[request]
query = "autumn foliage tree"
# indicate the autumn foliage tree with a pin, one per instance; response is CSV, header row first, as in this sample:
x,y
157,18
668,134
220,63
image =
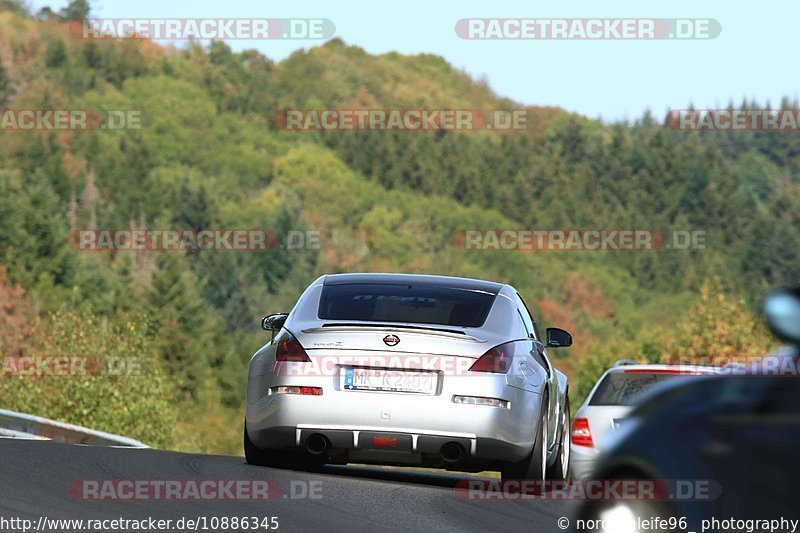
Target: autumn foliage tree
x,y
719,329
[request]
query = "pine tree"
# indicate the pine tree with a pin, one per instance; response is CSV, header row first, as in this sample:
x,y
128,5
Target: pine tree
x,y
180,319
76,10
5,85
56,54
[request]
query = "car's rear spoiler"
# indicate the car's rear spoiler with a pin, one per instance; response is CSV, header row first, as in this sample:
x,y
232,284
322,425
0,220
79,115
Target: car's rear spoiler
x,y
358,326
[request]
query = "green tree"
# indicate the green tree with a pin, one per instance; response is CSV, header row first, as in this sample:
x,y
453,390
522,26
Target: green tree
x,y
33,233
180,322
5,85
56,54
46,13
193,207
15,6
76,10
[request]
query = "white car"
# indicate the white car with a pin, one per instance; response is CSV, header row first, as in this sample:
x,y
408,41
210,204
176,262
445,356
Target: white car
x,y
409,370
614,396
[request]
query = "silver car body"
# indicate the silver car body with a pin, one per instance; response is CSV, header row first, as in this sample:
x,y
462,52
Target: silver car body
x,y
604,419
353,420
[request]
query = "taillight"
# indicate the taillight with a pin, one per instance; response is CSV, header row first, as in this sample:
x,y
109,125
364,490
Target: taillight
x,y
497,360
290,349
303,391
581,434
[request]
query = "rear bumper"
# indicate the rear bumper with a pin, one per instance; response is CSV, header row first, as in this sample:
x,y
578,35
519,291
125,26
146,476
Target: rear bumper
x,y
368,444
582,461
377,424
388,440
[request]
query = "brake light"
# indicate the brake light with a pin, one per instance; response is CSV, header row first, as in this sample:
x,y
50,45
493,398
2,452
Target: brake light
x,y
290,349
581,434
496,360
303,391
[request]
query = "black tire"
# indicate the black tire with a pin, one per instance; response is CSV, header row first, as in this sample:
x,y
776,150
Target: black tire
x,y
533,467
559,470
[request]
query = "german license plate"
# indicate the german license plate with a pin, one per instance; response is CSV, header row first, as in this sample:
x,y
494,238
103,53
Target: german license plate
x,y
387,379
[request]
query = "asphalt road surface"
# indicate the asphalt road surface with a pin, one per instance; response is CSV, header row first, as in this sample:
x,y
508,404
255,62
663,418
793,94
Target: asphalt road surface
x,y
36,476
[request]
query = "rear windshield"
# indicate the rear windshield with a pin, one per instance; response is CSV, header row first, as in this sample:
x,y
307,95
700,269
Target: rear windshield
x,y
379,302
619,388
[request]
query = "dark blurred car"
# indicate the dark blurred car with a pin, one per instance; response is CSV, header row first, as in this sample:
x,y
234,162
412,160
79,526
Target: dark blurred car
x,y
730,444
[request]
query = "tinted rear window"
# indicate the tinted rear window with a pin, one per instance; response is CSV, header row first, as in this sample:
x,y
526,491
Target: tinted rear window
x,y
619,388
382,302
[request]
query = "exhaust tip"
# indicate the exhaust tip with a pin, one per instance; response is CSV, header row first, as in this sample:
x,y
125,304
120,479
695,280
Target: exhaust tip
x,y
317,444
452,452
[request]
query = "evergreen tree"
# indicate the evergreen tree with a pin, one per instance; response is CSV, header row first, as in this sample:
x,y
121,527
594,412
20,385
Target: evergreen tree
x,y
5,85
56,54
76,10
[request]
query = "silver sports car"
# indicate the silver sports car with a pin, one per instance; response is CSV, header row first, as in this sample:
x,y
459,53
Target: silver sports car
x,y
409,370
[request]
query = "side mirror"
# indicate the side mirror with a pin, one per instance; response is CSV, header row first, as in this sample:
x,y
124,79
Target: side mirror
x,y
557,338
782,308
273,322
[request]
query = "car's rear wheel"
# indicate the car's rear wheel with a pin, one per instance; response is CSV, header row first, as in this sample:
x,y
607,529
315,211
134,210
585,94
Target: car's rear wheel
x,y
534,466
278,458
559,470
